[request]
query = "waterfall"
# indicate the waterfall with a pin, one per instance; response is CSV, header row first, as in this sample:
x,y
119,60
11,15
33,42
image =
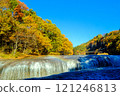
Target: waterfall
x,y
98,61
39,67
49,65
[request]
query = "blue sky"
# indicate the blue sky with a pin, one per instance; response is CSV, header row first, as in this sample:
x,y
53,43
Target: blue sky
x,y
79,20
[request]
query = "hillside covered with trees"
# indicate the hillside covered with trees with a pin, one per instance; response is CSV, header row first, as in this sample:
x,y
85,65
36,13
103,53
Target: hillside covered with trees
x,y
22,31
108,44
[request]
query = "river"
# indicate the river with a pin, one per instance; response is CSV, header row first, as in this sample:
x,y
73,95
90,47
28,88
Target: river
x,y
75,67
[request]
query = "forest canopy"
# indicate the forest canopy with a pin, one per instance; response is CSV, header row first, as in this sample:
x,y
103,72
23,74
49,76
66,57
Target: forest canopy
x,y
21,30
107,43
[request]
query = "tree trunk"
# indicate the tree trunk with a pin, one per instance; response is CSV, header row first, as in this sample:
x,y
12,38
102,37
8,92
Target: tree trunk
x,y
16,45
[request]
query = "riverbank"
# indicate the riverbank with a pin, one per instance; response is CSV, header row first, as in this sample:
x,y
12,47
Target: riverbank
x,y
22,56
17,56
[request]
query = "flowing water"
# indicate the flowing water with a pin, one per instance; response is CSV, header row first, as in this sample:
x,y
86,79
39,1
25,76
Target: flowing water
x,y
49,65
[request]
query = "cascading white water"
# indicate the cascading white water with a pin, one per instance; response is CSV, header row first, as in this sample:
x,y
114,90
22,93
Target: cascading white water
x,y
94,61
39,67
45,66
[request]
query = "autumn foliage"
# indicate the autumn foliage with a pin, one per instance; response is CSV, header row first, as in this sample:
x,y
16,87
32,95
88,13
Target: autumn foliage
x,y
107,43
21,30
